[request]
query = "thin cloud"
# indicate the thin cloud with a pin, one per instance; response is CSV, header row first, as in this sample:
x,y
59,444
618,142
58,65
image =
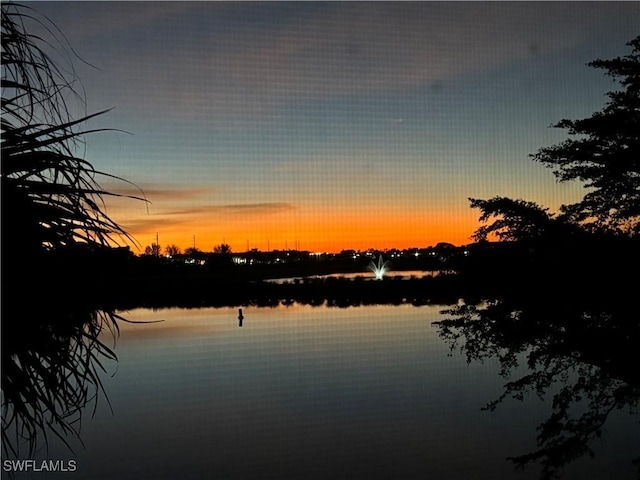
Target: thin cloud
x,y
164,193
249,209
252,209
171,216
139,226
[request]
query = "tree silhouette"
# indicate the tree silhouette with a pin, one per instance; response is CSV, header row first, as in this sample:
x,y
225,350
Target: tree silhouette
x,y
605,153
152,250
54,215
222,249
51,197
172,250
514,219
564,308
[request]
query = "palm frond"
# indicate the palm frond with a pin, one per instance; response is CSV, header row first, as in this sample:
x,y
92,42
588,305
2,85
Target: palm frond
x,y
40,139
53,353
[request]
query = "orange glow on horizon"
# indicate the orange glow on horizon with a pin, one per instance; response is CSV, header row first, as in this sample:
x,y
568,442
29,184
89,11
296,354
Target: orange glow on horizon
x,y
321,233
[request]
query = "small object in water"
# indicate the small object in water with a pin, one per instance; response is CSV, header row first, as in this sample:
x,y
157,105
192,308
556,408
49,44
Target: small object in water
x,y
240,317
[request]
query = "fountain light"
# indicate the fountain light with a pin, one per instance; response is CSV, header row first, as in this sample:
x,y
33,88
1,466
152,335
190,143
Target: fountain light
x,y
378,269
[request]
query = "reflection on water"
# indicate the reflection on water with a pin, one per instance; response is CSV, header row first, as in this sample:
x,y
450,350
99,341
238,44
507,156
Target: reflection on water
x,y
311,392
401,275
51,371
583,358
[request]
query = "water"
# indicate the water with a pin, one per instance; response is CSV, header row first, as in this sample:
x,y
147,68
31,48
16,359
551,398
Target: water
x,y
310,392
395,274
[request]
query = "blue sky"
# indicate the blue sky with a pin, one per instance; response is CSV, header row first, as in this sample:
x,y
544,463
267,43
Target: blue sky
x,y
334,125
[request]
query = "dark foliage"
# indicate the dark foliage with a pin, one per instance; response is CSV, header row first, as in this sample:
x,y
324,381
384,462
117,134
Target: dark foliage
x,y
53,219
604,153
517,220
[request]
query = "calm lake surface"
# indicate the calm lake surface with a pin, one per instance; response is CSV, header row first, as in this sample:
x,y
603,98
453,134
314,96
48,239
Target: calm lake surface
x,y
400,274
311,392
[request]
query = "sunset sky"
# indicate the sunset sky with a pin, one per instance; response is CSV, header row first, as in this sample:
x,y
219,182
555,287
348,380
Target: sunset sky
x,y
330,126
